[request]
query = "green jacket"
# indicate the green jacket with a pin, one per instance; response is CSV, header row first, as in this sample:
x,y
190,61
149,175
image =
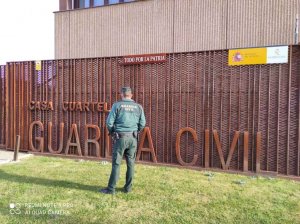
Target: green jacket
x,y
126,116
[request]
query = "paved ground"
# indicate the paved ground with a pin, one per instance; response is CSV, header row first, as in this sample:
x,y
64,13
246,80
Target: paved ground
x,y
7,156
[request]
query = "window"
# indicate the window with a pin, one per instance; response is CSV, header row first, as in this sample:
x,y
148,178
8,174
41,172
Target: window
x,y
98,2
110,2
81,4
86,3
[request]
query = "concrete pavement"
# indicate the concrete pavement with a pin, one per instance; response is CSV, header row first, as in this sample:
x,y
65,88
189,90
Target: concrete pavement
x,y
7,156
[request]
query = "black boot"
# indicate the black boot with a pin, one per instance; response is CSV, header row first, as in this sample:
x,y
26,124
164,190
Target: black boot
x,y
106,191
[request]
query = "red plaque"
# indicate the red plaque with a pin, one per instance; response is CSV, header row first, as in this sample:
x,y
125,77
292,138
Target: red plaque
x,y
143,59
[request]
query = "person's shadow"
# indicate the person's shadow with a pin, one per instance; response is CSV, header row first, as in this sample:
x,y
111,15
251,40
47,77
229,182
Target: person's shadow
x,y
46,182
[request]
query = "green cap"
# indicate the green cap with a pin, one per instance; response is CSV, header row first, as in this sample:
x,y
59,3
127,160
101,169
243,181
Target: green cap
x,y
126,90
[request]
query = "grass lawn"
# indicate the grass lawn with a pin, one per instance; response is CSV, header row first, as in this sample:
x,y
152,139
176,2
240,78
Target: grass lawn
x,y
54,190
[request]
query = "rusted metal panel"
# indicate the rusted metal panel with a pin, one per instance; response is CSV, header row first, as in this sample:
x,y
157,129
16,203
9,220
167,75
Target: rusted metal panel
x,y
198,109
2,106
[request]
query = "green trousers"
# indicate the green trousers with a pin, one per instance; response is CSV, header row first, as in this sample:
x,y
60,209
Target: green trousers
x,y
124,146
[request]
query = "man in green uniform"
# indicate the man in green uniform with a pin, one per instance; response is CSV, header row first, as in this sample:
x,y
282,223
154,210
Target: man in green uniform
x,y
124,121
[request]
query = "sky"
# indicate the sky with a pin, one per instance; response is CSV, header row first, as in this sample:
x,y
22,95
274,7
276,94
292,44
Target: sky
x,y
27,30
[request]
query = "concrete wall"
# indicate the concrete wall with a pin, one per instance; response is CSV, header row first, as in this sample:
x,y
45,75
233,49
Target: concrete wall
x,y
156,26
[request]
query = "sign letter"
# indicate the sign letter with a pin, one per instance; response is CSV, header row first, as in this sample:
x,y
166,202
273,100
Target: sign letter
x,y
232,147
75,144
193,132
38,139
147,133
61,136
94,140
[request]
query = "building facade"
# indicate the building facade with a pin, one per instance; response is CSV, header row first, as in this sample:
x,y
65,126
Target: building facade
x,y
206,106
104,28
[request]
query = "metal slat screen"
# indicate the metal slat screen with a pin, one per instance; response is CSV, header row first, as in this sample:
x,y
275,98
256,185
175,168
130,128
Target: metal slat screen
x,y
196,90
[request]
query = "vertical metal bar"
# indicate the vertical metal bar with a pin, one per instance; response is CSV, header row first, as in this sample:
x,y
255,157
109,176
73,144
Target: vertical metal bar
x,y
196,93
57,84
21,110
104,86
239,115
42,86
156,117
180,93
278,115
212,96
206,149
98,116
187,111
258,151
30,75
253,122
107,144
68,91
1,105
172,103
268,129
298,159
9,108
258,109
51,91
150,97
14,105
18,101
92,90
166,95
36,87
86,74
46,74
289,111
7,104
208,106
248,105
221,108
71,96
63,89
72,71
2,94
246,151
168,86
143,96
117,82
203,92
110,80
208,89
229,116
28,121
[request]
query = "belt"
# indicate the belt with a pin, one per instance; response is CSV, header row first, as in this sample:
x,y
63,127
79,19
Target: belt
x,y
125,134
